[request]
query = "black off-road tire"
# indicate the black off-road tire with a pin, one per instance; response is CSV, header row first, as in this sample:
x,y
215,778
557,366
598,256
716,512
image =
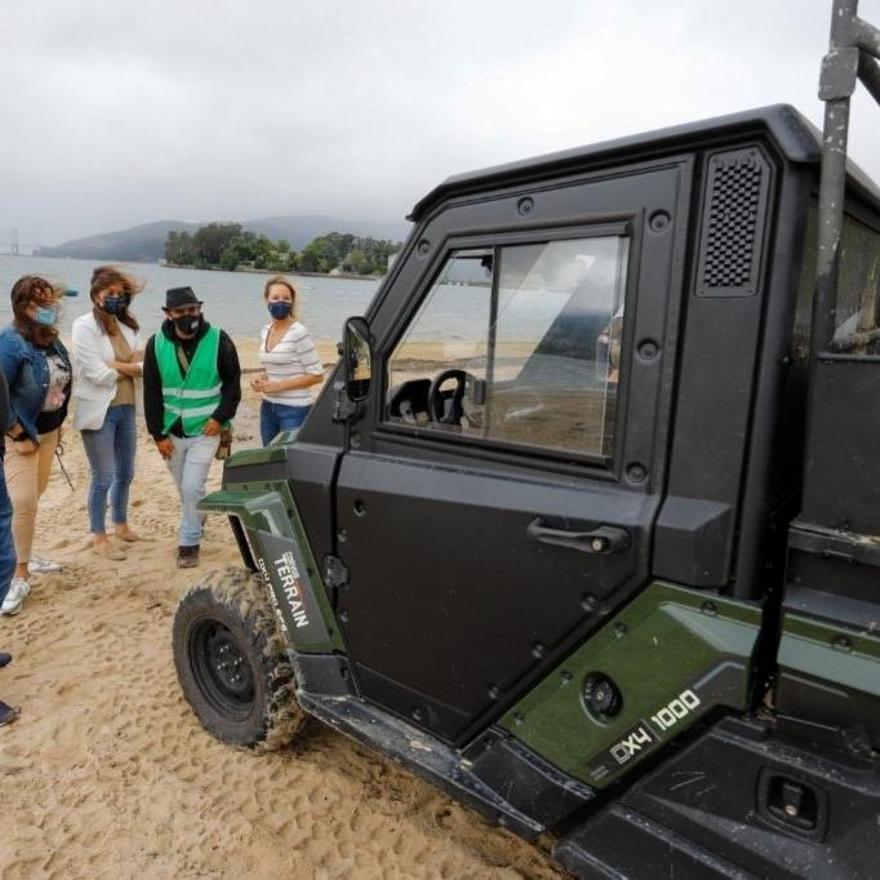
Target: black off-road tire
x,y
231,662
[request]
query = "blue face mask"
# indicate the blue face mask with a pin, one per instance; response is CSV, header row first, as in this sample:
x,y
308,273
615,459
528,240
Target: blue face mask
x,y
46,315
115,305
280,309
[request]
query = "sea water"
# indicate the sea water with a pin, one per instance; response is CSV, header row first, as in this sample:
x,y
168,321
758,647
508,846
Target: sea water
x,y
232,300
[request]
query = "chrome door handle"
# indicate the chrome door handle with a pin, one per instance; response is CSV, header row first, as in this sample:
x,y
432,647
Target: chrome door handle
x,y
601,540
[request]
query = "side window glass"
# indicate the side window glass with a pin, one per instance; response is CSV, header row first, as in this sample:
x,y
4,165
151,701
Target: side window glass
x,y
557,338
858,288
524,351
450,330
857,303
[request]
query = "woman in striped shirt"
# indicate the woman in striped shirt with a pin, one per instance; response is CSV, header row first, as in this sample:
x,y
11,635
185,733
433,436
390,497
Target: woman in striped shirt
x,y
289,361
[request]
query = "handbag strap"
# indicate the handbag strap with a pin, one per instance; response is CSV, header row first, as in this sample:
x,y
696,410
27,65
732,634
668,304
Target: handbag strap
x,y
182,359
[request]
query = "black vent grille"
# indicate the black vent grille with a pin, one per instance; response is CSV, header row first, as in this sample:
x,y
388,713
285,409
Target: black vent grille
x,y
733,224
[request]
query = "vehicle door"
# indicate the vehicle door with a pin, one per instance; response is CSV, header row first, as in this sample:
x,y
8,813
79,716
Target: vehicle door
x,y
496,499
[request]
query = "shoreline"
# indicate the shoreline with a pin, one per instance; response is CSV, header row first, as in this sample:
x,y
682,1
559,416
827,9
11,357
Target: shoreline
x,y
250,270
247,270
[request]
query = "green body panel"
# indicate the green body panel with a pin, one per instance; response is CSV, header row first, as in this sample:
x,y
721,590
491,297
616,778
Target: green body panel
x,y
673,653
275,451
258,455
831,653
268,514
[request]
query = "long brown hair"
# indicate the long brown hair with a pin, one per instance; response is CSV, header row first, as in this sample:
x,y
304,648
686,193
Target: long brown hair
x,y
28,289
280,279
104,277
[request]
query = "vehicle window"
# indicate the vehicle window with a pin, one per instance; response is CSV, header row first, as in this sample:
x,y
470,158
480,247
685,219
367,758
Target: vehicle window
x,y
858,304
518,344
857,283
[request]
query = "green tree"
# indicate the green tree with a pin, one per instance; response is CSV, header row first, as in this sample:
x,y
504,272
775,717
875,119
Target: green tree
x,y
210,241
171,245
179,248
326,252
227,246
358,262
230,257
245,247
316,256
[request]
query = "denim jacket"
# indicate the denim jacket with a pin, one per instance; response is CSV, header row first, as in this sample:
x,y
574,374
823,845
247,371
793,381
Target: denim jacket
x,y
27,375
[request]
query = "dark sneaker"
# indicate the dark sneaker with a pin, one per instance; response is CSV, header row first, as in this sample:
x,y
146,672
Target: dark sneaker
x,y
188,557
5,659
8,714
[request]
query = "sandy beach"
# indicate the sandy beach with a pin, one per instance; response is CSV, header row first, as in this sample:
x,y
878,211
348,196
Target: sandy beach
x,y
107,773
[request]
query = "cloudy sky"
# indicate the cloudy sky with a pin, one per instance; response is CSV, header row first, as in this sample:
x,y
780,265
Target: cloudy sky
x,y
114,113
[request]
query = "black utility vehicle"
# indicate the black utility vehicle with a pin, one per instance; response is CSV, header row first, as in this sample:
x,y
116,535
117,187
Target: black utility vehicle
x,y
584,528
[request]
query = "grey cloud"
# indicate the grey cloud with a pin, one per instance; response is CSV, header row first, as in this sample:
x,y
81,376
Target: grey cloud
x,y
117,113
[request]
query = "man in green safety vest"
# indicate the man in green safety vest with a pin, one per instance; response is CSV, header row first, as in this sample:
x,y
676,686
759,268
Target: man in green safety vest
x,y
192,388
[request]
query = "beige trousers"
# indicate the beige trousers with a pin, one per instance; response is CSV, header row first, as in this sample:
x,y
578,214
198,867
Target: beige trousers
x,y
26,479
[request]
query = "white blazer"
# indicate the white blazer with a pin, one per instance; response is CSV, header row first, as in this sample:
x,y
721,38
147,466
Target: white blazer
x,y
94,383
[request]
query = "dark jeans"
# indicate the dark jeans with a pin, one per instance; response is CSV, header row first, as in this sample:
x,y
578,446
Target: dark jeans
x,y
277,417
7,548
110,451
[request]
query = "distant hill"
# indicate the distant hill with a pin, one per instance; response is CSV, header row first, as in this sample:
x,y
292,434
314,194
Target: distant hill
x,y
300,230
146,243
143,243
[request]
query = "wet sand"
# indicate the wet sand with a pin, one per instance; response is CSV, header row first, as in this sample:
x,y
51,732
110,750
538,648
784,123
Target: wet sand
x,y
108,774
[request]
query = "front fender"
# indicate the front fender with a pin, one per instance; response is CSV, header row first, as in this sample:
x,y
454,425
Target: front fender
x,y
281,554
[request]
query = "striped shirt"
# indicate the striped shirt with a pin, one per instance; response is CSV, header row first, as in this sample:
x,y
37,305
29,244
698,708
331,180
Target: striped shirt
x,y
293,355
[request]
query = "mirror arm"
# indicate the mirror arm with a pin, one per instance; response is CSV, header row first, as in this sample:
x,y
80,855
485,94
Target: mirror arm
x,y
344,408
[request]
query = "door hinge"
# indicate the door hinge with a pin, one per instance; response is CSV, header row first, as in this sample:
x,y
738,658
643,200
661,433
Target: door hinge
x,y
335,572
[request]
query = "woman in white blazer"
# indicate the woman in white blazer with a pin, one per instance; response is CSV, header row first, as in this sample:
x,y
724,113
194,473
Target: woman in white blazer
x,y
107,358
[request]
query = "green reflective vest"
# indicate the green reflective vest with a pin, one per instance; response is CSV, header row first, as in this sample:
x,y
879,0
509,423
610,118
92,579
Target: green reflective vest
x,y
194,397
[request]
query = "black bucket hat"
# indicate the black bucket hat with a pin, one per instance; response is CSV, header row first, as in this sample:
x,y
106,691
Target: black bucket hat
x,y
177,297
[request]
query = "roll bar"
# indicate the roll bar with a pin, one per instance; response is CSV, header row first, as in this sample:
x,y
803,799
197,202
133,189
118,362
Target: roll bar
x,y
854,45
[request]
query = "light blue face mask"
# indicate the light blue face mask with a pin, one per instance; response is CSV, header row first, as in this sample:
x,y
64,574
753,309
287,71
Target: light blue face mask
x,y
45,315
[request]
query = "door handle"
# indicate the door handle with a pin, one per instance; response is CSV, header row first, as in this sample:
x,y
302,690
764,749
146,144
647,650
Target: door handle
x,y
601,540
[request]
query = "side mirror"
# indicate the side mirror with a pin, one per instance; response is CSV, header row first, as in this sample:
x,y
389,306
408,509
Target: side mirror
x,y
357,355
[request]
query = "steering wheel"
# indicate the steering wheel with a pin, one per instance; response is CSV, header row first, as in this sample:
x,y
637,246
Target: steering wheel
x,y
437,401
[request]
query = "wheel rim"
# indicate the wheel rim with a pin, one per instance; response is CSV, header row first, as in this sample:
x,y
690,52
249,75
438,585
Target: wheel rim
x,y
221,669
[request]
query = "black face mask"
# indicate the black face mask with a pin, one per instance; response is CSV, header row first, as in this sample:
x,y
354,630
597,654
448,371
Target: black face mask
x,y
187,324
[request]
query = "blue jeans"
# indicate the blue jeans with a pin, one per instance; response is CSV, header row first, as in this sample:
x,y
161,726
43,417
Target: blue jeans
x,y
278,417
110,451
190,464
7,548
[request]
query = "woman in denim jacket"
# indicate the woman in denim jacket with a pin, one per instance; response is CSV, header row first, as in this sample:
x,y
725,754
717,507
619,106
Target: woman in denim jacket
x,y
38,372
